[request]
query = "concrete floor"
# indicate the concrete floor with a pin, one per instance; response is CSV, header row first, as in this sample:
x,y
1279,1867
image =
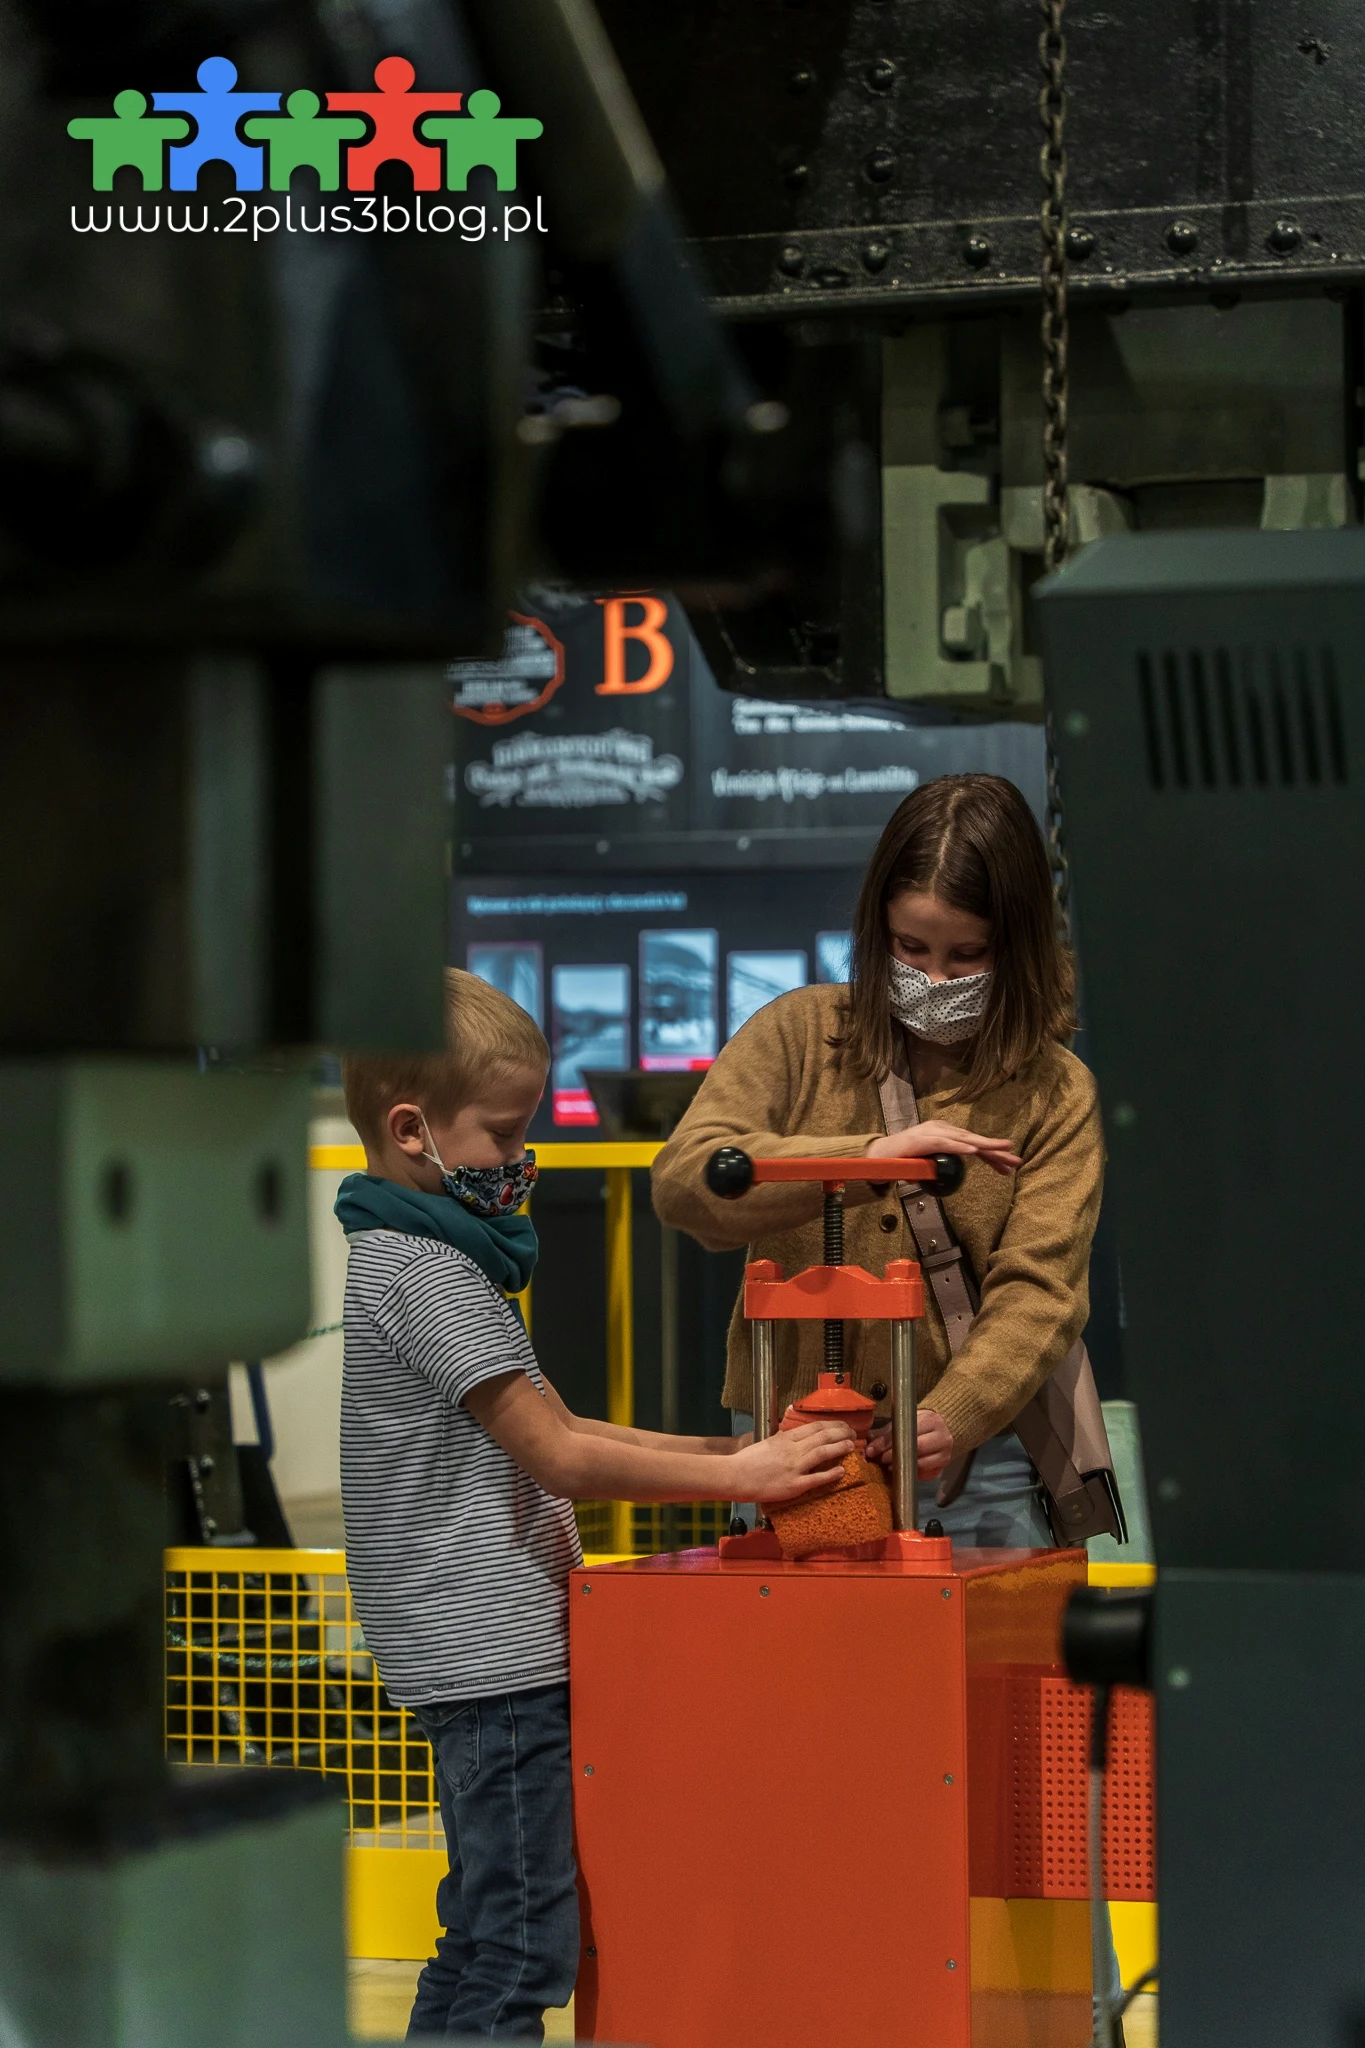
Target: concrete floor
x,y
381,1999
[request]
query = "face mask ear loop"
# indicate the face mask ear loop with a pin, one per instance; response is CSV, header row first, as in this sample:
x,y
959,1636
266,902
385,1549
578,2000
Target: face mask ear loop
x,y
434,1156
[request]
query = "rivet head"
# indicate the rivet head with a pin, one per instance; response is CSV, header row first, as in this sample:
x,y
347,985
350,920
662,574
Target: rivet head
x,y
952,1963
795,176
947,1777
882,74
587,1770
976,252
1182,237
876,255
947,1592
587,1589
1284,237
590,1951
1178,1678
763,1592
800,81
792,261
878,1390
831,276
880,166
1080,243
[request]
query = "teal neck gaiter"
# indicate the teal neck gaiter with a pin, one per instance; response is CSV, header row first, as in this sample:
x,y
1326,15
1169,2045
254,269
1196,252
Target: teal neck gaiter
x,y
503,1247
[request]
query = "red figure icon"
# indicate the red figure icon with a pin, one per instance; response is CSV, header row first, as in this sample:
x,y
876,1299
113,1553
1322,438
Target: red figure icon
x,y
394,109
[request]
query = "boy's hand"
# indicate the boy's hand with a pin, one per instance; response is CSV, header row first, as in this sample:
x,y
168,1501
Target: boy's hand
x,y
922,1141
793,1463
933,1441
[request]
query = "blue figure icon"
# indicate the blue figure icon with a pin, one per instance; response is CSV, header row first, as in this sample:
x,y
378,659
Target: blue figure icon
x,y
217,109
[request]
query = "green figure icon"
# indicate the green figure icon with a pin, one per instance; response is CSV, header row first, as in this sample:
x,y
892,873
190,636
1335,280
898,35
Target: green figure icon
x,y
129,139
298,139
480,137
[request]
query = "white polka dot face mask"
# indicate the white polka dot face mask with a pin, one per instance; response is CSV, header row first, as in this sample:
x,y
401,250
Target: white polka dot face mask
x,y
944,1011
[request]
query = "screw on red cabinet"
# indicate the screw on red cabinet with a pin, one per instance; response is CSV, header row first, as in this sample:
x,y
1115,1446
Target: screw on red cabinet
x,y
793,1781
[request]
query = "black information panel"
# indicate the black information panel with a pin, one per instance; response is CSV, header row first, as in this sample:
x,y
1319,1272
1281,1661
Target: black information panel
x,y
647,970
601,741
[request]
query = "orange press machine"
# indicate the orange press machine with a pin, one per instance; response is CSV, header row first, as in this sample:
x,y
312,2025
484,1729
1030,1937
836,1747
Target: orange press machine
x,y
835,1791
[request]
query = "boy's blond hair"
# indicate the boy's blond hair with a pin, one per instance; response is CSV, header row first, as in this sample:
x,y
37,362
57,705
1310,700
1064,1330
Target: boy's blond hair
x,y
486,1034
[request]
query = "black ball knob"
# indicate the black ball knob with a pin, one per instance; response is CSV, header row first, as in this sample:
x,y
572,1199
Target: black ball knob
x,y
729,1172
949,1168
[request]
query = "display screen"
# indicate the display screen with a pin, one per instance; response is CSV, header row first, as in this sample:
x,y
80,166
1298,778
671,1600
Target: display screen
x,y
651,971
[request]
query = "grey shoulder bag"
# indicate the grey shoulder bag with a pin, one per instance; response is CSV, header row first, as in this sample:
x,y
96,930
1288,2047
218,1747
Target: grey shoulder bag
x,y
1062,1427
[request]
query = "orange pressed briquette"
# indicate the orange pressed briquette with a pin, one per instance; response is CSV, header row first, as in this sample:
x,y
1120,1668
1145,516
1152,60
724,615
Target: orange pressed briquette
x,y
858,1511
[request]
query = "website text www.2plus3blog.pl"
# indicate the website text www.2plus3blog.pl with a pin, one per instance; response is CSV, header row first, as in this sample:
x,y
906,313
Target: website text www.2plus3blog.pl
x,y
361,214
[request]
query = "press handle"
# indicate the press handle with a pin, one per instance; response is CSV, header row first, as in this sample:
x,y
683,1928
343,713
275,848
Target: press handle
x,y
729,1173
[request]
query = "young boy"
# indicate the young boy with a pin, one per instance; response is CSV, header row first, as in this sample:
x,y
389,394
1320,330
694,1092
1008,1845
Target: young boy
x,y
458,1465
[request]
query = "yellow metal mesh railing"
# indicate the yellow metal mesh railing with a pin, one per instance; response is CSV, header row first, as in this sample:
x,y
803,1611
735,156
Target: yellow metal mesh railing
x,y
266,1665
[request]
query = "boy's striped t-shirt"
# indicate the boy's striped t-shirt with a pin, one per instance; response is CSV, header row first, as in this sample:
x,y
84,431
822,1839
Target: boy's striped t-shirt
x,y
458,1561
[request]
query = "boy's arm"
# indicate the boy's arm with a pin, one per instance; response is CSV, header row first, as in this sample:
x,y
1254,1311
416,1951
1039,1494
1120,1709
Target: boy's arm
x,y
647,1439
581,1464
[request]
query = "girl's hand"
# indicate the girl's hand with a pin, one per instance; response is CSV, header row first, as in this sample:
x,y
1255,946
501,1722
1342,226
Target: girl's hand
x,y
922,1141
933,1441
792,1464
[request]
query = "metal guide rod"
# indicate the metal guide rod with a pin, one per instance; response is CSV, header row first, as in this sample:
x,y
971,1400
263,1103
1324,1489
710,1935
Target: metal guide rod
x,y
762,1340
904,1425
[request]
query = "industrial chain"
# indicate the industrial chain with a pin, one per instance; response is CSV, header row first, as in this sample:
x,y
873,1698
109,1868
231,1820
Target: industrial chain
x,y
1052,163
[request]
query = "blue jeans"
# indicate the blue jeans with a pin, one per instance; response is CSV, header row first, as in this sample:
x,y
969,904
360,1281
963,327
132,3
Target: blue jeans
x,y
509,1905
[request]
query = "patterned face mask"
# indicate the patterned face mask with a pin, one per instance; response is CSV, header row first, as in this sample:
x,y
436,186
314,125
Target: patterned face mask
x,y
486,1191
944,1011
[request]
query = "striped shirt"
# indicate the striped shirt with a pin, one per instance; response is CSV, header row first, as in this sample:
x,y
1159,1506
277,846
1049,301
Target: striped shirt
x,y
458,1560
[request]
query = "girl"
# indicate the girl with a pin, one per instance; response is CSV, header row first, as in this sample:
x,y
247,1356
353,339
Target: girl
x,y
962,993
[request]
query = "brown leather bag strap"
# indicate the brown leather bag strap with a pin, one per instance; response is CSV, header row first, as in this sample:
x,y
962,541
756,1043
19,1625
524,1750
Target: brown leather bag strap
x,y
1062,1427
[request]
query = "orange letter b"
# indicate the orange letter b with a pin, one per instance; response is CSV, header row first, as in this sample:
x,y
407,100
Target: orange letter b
x,y
615,633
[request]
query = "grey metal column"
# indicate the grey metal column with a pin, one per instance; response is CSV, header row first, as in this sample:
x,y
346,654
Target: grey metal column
x,y
904,1425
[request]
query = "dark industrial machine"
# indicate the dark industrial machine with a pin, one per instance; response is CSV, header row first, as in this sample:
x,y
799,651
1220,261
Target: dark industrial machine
x,y
1209,698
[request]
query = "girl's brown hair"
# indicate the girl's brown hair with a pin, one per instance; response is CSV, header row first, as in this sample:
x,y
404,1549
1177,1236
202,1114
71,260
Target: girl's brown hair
x,y
972,841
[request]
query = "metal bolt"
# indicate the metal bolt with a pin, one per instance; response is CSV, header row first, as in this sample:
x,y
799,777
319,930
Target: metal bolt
x,y
1178,1678
1076,725
801,80
876,255
976,251
210,1526
792,261
878,1390
881,74
763,1592
947,1592
880,166
1125,1116
796,175
587,1589
587,1770
951,1963
1169,1489
1080,243
206,1466
947,1777
592,1951
1284,237
831,275
203,1399
1181,237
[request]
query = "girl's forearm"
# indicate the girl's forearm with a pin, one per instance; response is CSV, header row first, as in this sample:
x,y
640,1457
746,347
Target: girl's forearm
x,y
592,1466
